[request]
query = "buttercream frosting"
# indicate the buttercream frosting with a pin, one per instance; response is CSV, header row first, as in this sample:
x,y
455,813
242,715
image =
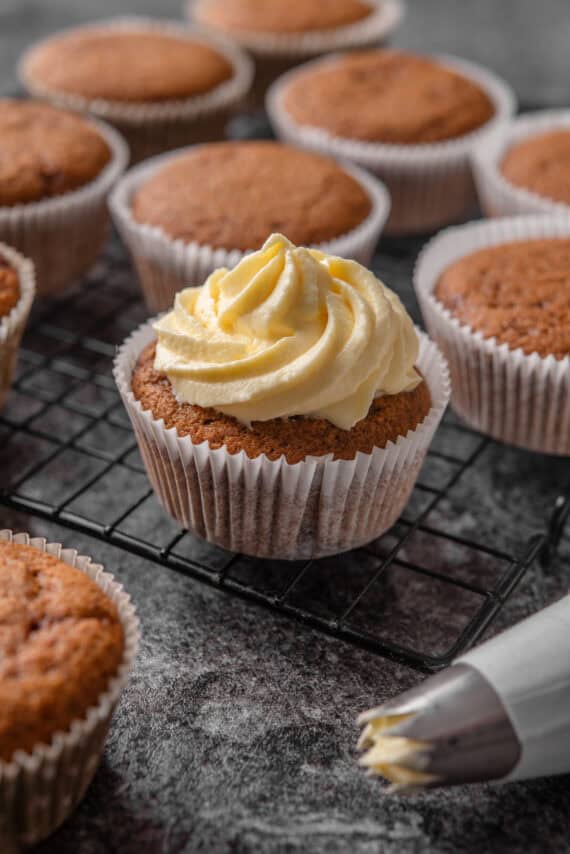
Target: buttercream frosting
x,y
289,331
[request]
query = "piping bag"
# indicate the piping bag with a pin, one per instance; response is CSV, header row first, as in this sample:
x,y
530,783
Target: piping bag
x,y
500,712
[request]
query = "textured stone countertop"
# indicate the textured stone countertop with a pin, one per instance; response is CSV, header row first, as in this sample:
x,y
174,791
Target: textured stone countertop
x,y
237,730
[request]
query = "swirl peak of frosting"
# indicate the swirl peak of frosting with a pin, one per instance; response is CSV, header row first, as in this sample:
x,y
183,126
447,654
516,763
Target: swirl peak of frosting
x,y
289,331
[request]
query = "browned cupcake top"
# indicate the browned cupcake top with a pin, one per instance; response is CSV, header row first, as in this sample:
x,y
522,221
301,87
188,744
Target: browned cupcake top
x,y
388,96
295,438
45,151
541,164
9,287
281,16
125,65
61,642
234,195
518,293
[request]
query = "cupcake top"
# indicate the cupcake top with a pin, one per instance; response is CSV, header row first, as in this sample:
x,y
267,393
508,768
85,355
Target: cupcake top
x,y
541,164
288,332
387,96
45,151
9,288
518,293
280,16
135,65
271,187
61,642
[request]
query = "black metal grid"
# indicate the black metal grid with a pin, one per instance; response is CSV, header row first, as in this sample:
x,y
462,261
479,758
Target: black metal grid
x,y
67,454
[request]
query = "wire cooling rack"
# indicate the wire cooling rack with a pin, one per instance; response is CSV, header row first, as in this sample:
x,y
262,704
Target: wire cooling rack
x,y
420,594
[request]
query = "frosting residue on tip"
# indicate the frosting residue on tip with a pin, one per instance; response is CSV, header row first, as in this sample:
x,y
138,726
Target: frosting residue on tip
x,y
289,331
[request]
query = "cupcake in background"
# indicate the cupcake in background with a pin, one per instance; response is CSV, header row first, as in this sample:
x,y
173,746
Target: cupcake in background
x,y
411,120
284,409
57,169
185,214
17,289
162,85
68,639
280,34
495,296
525,168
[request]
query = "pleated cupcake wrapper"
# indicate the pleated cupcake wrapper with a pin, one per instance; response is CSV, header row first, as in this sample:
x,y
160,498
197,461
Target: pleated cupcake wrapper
x,y
13,324
498,197
63,235
165,265
521,400
430,184
270,508
151,128
40,789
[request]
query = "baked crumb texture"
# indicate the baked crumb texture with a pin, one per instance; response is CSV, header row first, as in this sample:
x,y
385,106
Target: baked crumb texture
x,y
518,293
387,96
272,188
61,642
46,152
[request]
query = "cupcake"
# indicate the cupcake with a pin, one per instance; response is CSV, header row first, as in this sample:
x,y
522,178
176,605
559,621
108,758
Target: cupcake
x,y
496,298
57,169
174,215
161,84
411,120
284,409
280,33
67,642
17,288
525,169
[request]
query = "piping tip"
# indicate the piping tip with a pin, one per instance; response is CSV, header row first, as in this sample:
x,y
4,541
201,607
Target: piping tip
x,y
451,729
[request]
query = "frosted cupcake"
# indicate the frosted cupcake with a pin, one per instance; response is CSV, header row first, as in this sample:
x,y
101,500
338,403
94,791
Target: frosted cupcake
x,y
284,408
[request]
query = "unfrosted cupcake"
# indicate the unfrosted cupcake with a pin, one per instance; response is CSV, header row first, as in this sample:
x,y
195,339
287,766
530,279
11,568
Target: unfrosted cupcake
x,y
17,288
284,408
68,637
525,169
411,120
185,214
161,84
496,298
281,33
56,171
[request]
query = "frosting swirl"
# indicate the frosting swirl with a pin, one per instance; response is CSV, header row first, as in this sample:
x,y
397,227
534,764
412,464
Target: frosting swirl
x,y
289,331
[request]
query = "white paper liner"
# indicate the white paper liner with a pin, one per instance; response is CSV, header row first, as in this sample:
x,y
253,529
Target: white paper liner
x,y
13,324
384,18
529,668
498,197
151,128
165,265
266,508
39,790
430,184
64,235
519,399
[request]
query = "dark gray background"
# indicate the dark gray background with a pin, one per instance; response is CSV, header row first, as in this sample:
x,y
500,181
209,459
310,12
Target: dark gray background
x,y
237,730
